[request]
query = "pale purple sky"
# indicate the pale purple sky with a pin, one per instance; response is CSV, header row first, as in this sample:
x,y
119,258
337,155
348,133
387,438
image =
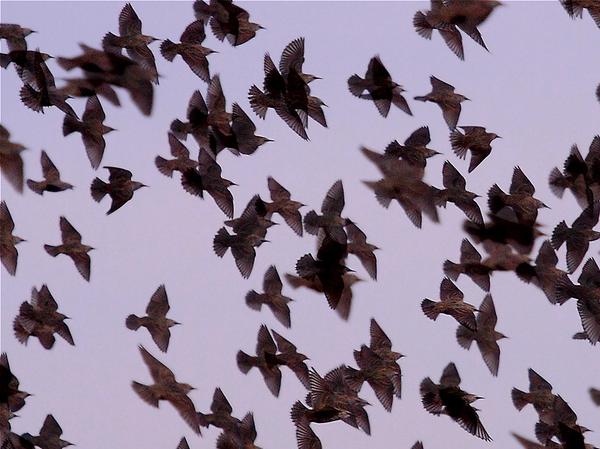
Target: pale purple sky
x,y
535,88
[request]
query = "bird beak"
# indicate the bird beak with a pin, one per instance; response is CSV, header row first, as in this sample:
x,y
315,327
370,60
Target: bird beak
x,y
467,99
545,206
477,196
260,27
317,77
478,397
265,241
144,185
176,323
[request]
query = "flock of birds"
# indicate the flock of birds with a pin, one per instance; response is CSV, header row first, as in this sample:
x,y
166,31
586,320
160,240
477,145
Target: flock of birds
x,y
507,236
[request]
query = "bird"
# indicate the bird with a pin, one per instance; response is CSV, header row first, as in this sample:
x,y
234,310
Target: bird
x,y
9,387
89,87
444,96
52,181
448,398
468,15
427,21
190,49
41,319
470,265
358,245
166,388
382,90
182,161
92,130
156,320
282,204
71,246
330,220
132,40
381,345
271,297
451,303
575,9
11,162
540,394
15,35
119,187
595,395
242,248
485,336
227,21
414,151
8,251
49,437
475,139
306,438
221,415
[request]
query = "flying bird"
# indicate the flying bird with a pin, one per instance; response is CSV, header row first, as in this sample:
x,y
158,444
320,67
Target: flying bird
x,y
71,246
49,437
119,187
330,220
242,248
444,96
282,204
11,162
15,36
271,297
470,265
51,181
575,9
414,151
451,303
8,251
427,21
540,395
9,387
365,251
476,140
227,21
182,161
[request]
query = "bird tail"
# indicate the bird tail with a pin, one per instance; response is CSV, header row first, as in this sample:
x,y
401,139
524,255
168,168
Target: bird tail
x,y
457,140
31,98
564,290
4,60
201,418
452,270
519,398
356,85
221,242
495,198
244,362
133,322
52,250
169,50
178,129
305,267
70,125
162,165
252,300
311,222
21,333
580,336
559,235
98,189
298,412
525,272
464,337
146,393
355,378
111,42
558,182
37,187
422,26
543,432
429,395
255,95
428,307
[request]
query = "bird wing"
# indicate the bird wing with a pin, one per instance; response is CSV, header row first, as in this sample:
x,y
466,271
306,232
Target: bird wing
x,y
272,282
178,149
8,225
43,299
159,303
215,98
118,175
547,256
129,22
159,372
419,137
334,199
220,404
82,263
468,253
277,191
520,183
264,342
68,233
292,57
450,376
379,339
49,170
469,420
50,428
194,33
187,411
93,110
449,291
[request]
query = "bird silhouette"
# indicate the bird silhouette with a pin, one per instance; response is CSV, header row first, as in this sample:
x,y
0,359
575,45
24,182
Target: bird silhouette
x,y
71,246
8,251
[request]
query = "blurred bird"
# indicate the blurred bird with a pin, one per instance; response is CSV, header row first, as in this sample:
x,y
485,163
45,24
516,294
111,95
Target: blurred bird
x,y
242,247
227,20
448,399
156,320
9,387
456,192
414,151
132,40
358,245
382,90
595,395
166,387
221,413
282,204
190,49
382,346
89,87
197,124
271,297
544,274
8,251
427,21
11,162
451,303
561,423
475,139
182,161
575,9
92,130
41,319
120,188
470,265
72,247
444,96
15,35
52,181
49,437
486,335
330,220
468,15
243,436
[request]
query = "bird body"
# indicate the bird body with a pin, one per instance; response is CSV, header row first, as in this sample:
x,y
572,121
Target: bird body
x,y
475,139
444,96
52,181
73,248
8,251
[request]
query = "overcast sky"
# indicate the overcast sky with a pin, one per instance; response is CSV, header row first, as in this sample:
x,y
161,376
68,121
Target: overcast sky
x,y
535,88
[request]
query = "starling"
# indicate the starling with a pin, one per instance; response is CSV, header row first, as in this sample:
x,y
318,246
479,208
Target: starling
x,y
561,422
41,319
451,303
221,413
331,220
289,355
242,248
414,151
131,38
381,345
470,265
89,87
520,198
92,130
227,20
271,297
448,399
575,175
49,437
380,87
253,220
166,388
15,36
156,320
578,236
468,15
595,395
358,245
120,188
11,163
190,49
282,203
182,161
242,436
427,21
72,247
292,58
575,9
444,96
476,139
588,302
486,335
9,387
8,251
52,181
197,124
540,394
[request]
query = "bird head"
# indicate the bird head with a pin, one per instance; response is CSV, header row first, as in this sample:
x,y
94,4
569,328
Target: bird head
x,y
17,240
308,78
186,388
28,31
107,129
262,140
137,185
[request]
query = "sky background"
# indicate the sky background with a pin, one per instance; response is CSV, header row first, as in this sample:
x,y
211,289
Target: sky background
x,y
535,88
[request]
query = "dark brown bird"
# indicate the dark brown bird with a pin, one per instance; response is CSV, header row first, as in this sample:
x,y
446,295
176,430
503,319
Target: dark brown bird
x,y
49,437
456,192
120,188
444,96
132,40
282,204
92,130
330,220
8,251
241,437
451,303
575,9
197,125
72,247
182,161
271,297
41,319
221,413
475,139
156,320
9,387
190,49
15,35
166,387
227,20
414,151
11,162
253,220
242,248
382,90
382,346
427,21
540,395
448,399
470,265
588,304
562,424
358,245
486,335
468,15
52,181
578,236
89,87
